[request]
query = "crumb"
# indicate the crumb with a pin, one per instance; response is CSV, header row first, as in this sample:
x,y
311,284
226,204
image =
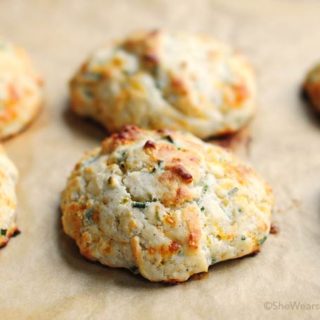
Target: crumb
x,y
274,229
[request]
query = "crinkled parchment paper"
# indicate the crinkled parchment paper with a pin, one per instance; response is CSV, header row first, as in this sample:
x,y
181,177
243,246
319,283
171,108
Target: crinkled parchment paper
x,y
42,275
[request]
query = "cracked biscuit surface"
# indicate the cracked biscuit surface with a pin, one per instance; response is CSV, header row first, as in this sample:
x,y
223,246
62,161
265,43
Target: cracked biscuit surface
x,y
164,204
8,201
20,90
164,80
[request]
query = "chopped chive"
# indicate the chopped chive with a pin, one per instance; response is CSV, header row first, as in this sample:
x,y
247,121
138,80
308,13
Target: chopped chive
x,y
168,138
233,191
122,157
213,260
140,205
202,209
205,188
3,232
263,240
89,216
243,238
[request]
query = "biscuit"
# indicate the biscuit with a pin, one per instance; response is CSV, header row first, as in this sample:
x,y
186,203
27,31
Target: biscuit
x,y
159,80
8,201
164,204
20,90
311,87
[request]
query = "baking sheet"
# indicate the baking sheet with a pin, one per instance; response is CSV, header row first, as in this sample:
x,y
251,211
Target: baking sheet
x,y
42,275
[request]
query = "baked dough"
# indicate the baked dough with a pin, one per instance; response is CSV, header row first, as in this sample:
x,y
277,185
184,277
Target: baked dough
x,y
312,87
164,204
162,80
8,201
20,90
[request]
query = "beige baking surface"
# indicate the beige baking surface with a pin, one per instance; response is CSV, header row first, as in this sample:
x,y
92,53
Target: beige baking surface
x,y
42,276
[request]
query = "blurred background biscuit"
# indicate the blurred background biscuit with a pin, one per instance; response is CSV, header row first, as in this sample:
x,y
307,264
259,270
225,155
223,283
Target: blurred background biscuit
x,y
166,80
20,90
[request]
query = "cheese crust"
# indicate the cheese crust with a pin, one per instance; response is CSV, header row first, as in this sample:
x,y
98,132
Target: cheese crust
x,y
8,201
161,80
165,204
20,90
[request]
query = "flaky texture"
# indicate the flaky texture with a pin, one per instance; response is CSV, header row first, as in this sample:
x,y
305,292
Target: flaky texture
x,y
165,204
162,80
20,90
8,201
312,87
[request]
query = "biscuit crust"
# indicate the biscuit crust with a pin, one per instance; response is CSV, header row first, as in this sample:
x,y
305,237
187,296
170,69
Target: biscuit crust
x,y
311,87
20,90
8,201
164,204
162,80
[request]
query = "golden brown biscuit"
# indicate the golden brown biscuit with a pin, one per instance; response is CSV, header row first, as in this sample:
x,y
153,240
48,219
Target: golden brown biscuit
x,y
8,201
312,87
165,204
164,80
20,90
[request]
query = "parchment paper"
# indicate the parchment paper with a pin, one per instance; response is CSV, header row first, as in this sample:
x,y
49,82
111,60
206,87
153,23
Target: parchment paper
x,y
42,275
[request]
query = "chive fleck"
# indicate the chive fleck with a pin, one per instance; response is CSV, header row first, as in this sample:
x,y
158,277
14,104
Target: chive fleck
x,y
169,138
205,188
233,191
213,260
140,205
263,240
202,209
243,238
122,157
3,232
89,216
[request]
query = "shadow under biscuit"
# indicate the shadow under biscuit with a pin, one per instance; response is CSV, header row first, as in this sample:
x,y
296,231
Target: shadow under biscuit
x,y
85,127
239,142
